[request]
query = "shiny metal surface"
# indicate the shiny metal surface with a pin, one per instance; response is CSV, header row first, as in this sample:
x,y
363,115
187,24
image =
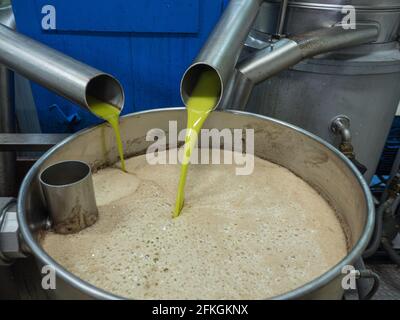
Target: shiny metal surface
x,y
10,244
317,162
260,66
8,187
340,125
305,16
222,49
287,52
325,40
56,71
361,4
29,141
69,196
314,30
5,204
362,83
6,15
269,61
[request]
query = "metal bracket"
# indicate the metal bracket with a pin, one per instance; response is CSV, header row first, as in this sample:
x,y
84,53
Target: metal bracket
x,y
29,142
10,244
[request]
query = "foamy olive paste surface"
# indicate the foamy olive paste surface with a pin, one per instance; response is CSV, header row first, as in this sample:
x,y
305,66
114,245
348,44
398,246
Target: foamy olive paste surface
x,y
239,237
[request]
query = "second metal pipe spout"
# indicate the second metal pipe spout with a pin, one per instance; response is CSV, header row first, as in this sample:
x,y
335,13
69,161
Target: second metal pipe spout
x,y
286,53
58,72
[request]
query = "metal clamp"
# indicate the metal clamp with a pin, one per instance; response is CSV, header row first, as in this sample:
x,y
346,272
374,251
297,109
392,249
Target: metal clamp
x,y
340,125
10,244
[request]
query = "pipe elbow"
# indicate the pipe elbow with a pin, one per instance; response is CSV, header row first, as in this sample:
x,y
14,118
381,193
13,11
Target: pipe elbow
x,y
242,89
285,53
271,60
335,38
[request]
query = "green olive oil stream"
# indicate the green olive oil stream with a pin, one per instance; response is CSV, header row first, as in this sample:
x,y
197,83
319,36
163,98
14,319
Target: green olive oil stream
x,y
110,114
202,101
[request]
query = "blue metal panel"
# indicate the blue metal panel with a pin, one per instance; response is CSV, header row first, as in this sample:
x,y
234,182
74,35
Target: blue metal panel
x,y
149,63
163,16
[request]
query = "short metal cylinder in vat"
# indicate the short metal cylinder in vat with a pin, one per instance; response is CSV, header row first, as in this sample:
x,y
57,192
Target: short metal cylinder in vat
x,y
69,194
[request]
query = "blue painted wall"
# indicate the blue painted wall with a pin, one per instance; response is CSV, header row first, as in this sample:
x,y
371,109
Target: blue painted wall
x,y
147,45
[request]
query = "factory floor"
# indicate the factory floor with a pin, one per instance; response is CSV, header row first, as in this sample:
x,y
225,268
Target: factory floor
x,y
390,281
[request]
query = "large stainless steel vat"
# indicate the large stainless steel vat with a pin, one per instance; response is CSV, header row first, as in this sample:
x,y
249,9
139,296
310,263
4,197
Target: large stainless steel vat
x,y
362,83
306,15
320,164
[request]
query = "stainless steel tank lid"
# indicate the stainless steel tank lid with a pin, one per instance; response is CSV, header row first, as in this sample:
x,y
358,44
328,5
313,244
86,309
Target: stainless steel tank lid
x,y
336,4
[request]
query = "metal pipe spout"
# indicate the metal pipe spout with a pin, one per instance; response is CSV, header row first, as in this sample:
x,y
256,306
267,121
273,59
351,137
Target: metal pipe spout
x,y
57,72
285,53
221,52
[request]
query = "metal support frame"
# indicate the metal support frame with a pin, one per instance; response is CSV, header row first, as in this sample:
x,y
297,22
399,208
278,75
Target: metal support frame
x,y
29,142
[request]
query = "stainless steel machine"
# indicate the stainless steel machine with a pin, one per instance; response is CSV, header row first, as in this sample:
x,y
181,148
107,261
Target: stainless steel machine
x,y
361,83
297,62
302,62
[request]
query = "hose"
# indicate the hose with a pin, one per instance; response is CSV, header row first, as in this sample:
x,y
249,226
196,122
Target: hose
x,y
390,204
387,246
368,274
376,238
